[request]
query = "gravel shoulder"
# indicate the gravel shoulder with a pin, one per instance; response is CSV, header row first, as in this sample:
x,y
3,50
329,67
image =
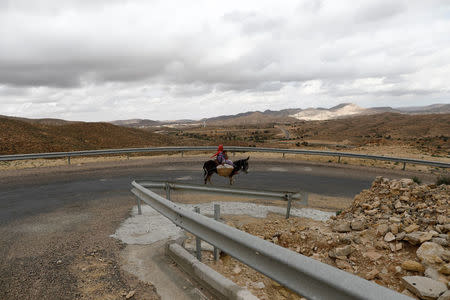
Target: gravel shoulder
x,y
68,254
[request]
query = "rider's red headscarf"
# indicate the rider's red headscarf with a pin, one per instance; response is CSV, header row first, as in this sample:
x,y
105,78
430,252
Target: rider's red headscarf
x,y
219,149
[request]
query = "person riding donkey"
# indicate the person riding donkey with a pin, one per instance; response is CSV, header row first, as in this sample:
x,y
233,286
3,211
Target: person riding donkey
x,y
222,157
223,166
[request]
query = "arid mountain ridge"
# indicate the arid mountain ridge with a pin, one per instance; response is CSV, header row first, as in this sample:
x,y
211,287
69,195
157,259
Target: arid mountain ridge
x,y
343,110
426,132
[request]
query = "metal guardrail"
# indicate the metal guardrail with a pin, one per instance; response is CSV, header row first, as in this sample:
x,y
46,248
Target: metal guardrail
x,y
229,148
287,196
304,275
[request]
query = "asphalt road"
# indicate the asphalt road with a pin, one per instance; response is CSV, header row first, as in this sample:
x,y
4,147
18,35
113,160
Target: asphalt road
x,y
30,192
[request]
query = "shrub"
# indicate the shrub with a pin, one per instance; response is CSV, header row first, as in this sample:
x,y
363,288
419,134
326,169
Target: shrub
x,y
417,180
443,180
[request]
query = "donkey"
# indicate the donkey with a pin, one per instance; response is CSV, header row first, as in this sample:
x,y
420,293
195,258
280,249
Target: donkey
x,y
210,167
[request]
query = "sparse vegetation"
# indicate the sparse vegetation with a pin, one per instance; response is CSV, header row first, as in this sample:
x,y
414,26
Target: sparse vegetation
x,y
443,180
417,180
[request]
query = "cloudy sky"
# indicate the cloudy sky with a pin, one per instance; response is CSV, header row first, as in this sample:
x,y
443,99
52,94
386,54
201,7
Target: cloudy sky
x,y
102,60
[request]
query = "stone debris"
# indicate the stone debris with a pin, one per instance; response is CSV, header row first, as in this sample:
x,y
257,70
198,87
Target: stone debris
x,y
430,253
372,274
445,296
445,269
259,285
425,288
389,237
342,227
394,234
130,294
340,251
398,213
411,265
237,270
358,224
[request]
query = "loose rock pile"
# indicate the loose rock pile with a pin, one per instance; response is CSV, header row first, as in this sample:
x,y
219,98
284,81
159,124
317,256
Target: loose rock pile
x,y
396,234
407,218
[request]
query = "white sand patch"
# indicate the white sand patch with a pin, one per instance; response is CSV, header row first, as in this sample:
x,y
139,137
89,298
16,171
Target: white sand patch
x,y
313,114
151,226
147,228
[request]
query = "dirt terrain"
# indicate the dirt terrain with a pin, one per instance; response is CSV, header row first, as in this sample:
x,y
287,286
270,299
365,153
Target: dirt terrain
x,y
68,254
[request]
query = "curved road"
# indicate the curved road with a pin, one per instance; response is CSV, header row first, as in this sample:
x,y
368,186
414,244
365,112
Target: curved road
x,y
35,191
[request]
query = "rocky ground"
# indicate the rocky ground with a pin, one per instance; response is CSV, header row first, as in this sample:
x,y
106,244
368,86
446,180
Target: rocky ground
x,y
396,234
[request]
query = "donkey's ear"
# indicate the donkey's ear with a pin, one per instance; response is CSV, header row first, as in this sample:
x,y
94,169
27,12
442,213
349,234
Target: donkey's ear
x,y
248,158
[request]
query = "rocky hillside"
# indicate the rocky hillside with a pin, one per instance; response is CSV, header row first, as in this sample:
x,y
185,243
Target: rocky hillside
x,y
17,136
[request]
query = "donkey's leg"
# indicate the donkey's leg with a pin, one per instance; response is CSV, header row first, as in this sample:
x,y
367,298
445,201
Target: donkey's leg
x,y
209,177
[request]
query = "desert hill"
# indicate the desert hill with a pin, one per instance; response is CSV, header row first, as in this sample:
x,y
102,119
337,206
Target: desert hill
x,y
45,121
343,110
251,118
430,109
18,136
421,131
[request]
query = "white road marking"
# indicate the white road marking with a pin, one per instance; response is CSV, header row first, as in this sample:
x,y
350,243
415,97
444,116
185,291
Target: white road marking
x,y
171,168
277,169
308,169
184,178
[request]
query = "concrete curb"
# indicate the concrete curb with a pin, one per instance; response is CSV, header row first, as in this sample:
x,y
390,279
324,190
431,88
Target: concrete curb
x,y
216,283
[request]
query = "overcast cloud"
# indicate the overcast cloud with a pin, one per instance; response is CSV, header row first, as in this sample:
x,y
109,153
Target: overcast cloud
x,y
119,59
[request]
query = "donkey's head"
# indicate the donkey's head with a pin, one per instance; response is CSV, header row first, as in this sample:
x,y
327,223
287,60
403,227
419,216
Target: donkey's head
x,y
244,164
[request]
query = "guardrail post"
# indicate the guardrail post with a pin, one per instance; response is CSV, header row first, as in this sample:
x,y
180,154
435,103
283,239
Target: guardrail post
x,y
167,188
139,205
182,153
404,165
216,217
283,154
128,156
339,159
288,210
68,160
198,241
